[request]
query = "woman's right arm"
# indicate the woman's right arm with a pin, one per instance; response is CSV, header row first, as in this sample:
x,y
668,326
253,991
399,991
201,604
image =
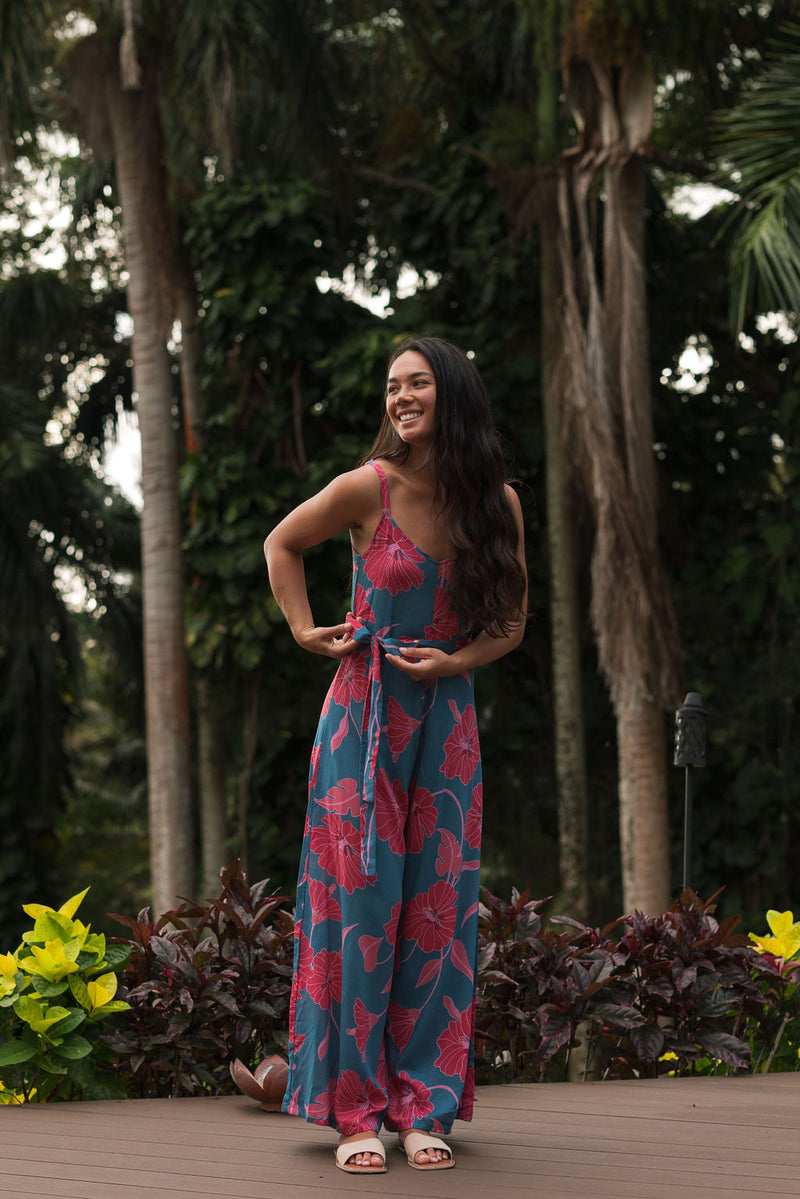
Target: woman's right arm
x,y
350,501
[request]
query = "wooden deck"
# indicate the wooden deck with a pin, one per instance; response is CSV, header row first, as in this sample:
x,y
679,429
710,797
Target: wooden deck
x,y
665,1139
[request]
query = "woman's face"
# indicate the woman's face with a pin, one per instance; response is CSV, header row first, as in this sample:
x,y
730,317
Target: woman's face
x,y
411,398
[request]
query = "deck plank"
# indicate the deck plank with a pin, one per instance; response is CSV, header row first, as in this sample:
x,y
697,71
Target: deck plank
x,y
660,1139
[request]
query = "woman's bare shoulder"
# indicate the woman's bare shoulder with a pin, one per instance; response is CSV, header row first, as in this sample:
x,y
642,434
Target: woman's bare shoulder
x,y
512,499
358,488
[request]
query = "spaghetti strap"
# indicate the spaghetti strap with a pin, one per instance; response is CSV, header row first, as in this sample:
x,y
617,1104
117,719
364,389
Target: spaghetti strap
x,y
380,472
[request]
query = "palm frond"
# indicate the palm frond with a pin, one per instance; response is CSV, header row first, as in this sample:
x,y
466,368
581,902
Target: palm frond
x,y
759,142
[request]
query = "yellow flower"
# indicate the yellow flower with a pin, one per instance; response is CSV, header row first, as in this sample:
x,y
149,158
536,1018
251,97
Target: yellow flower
x,y
785,940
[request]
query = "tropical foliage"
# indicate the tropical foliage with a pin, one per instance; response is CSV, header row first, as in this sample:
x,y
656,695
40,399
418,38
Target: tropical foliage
x,y
403,160
208,984
758,141
55,990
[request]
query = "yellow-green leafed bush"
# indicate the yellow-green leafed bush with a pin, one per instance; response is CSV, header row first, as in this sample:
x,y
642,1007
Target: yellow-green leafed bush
x,y
55,990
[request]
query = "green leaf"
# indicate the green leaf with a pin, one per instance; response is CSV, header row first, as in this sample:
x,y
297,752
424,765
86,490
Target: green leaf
x,y
74,1020
117,956
115,1005
46,989
78,988
14,1052
74,1049
50,1064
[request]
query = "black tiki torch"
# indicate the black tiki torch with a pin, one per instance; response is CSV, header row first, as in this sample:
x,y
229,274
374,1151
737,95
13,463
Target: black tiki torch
x,y
690,751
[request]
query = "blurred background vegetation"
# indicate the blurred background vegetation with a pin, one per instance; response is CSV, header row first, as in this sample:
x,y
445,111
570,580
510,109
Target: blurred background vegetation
x,y
388,160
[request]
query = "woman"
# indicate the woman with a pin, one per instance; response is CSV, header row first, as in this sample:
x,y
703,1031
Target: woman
x,y
386,939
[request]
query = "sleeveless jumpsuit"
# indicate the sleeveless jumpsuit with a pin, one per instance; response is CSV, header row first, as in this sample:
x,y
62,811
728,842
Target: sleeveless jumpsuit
x,y
386,935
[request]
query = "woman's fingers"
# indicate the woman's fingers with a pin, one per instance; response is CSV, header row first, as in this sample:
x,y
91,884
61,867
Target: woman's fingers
x,y
419,662
334,641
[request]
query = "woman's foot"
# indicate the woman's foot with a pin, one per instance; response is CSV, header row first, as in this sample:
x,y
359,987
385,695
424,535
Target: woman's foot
x,y
424,1151
361,1153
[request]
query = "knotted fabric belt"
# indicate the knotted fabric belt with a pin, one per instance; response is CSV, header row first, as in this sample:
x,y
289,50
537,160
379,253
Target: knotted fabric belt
x,y
377,640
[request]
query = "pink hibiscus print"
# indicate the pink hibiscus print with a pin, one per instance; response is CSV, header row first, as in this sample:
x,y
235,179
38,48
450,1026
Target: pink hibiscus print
x,y
305,952
401,1022
324,980
421,819
472,825
351,681
357,1102
430,919
461,750
467,1104
392,561
401,728
390,927
337,845
444,619
454,1042
324,904
365,1022
320,1108
314,763
362,608
391,809
409,1100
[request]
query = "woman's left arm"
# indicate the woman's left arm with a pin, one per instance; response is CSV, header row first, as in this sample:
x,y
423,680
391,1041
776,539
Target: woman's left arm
x,y
422,663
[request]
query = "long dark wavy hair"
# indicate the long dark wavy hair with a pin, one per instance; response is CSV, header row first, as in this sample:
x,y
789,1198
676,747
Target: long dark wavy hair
x,y
488,583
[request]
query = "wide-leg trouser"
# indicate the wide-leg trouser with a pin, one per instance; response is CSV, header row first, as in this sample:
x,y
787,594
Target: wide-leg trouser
x,y
383,994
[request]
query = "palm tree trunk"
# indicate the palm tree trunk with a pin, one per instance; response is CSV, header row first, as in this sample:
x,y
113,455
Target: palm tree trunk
x,y
139,169
211,772
211,782
644,828
564,630
609,406
643,799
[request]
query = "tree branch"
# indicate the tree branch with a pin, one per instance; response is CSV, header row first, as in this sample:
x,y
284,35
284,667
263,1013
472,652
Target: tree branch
x,y
394,180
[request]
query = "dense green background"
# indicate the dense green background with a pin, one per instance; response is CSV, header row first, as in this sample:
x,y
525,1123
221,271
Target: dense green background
x,y
450,158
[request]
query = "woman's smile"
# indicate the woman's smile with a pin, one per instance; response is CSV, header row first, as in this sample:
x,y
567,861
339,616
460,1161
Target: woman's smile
x,y
411,398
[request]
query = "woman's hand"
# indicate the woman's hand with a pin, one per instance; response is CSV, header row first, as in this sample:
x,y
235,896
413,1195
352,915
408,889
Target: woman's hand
x,y
334,642
420,662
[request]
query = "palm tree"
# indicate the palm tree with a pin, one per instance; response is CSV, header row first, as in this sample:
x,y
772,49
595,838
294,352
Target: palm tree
x,y
759,146
608,418
143,109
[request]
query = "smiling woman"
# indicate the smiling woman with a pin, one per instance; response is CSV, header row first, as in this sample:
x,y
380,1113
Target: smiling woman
x,y
386,941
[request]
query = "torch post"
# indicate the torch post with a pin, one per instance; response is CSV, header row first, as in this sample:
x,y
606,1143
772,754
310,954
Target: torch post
x,y
690,752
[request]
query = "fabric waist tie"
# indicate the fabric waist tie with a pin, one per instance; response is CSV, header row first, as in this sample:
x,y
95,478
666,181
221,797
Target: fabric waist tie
x,y
377,640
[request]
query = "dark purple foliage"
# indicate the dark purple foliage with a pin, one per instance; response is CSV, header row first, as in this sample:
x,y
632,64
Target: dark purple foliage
x,y
206,984
679,984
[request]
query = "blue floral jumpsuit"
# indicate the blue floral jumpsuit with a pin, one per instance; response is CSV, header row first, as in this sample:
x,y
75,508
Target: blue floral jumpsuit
x,y
383,996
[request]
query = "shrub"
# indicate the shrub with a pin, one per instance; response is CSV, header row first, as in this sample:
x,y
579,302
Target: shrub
x,y
535,985
56,989
206,984
684,988
677,993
